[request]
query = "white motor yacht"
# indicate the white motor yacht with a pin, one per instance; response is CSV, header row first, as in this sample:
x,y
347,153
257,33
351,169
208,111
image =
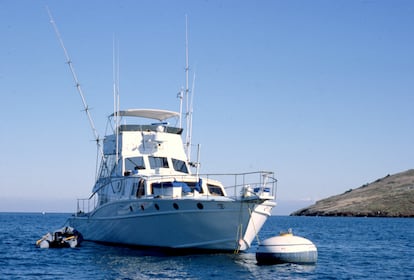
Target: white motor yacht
x,y
146,194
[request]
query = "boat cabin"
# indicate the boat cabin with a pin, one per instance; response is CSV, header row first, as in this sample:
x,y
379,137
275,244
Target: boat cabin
x,y
148,160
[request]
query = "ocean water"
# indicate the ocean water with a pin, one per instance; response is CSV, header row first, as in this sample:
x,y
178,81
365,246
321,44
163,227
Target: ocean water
x,y
348,248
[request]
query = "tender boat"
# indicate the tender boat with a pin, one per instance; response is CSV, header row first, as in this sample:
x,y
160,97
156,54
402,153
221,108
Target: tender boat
x,y
146,195
66,237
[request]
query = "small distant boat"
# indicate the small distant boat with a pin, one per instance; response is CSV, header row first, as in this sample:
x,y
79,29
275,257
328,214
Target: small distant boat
x,y
66,237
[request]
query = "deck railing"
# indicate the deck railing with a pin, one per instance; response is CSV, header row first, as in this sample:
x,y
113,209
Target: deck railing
x,y
86,205
238,186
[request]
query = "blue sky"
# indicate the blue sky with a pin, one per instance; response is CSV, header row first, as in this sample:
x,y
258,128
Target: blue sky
x,y
321,92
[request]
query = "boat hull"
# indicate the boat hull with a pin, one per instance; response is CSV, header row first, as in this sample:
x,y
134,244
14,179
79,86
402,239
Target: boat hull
x,y
176,224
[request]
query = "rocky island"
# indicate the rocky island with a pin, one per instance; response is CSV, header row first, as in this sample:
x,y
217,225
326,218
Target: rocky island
x,y
390,196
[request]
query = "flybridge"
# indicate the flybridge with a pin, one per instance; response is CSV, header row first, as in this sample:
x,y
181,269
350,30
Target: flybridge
x,y
153,114
160,115
140,138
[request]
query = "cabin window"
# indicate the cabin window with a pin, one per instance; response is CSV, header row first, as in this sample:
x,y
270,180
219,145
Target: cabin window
x,y
141,188
195,186
215,190
133,164
158,162
134,188
187,187
179,165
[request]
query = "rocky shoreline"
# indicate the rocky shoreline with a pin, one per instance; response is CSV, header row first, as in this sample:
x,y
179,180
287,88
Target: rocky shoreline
x,y
390,196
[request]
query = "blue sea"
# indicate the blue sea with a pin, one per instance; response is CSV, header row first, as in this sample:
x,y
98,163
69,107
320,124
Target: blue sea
x,y
348,248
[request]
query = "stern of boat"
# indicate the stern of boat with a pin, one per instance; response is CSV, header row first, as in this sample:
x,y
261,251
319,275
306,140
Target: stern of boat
x,y
257,193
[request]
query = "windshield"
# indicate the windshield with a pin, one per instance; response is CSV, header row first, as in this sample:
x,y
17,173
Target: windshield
x,y
134,163
158,162
179,165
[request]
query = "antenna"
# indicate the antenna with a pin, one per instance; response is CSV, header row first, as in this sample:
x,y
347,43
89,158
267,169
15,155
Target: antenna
x,y
75,78
180,96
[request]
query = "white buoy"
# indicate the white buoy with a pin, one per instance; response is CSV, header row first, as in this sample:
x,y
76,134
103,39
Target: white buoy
x,y
286,248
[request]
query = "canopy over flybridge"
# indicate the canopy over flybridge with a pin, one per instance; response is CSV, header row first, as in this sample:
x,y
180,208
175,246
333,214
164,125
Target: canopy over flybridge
x,y
155,114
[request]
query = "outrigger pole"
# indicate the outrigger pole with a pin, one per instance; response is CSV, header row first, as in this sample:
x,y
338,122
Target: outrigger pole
x,y
115,73
78,86
189,96
189,109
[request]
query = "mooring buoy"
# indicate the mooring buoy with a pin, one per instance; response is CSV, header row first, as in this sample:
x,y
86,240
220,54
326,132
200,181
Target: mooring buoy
x,y
286,248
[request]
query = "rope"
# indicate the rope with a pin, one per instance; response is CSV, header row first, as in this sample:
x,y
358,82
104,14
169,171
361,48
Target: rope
x,y
239,235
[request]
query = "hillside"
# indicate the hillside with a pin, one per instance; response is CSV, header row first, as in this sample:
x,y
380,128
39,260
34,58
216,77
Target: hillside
x,y
390,196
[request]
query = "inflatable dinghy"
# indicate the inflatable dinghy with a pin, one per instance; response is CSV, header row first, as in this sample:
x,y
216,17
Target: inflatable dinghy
x,y
66,237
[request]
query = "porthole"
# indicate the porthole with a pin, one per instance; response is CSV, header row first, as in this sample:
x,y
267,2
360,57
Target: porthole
x,y
200,206
157,206
175,205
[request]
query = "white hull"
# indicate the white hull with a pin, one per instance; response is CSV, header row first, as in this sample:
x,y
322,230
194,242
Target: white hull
x,y
196,224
